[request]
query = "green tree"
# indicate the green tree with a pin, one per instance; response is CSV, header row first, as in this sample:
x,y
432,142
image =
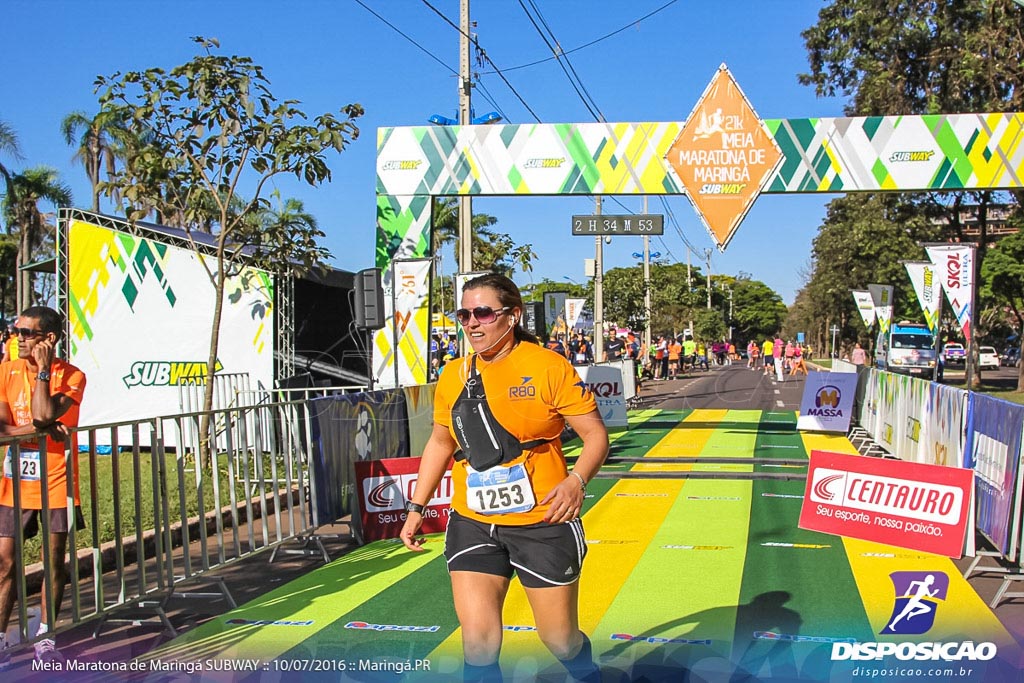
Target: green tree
x,y
708,325
25,217
1003,280
492,250
9,147
922,57
864,240
99,141
212,135
758,310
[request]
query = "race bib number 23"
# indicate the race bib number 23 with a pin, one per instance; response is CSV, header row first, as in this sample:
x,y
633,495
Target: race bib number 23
x,y
29,466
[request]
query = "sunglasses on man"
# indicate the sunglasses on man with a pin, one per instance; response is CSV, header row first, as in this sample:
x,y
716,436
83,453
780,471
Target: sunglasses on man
x,y
26,332
483,314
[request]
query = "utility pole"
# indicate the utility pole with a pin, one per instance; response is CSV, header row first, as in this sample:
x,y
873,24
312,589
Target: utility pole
x,y
689,288
598,290
835,331
647,286
707,257
465,85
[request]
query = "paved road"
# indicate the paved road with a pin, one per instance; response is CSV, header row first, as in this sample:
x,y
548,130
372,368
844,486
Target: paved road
x,y
727,386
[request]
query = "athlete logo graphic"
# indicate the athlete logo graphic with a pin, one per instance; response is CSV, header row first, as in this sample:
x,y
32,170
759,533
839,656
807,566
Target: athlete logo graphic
x,y
917,599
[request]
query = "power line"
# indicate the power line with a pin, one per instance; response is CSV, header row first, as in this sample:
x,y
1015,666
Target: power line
x,y
551,47
567,61
598,40
399,32
483,53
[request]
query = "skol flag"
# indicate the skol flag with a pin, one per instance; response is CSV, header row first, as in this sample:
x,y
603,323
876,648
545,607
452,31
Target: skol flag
x,y
881,297
955,266
923,277
865,306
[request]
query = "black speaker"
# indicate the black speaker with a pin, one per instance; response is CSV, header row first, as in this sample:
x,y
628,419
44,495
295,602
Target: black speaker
x,y
369,311
533,318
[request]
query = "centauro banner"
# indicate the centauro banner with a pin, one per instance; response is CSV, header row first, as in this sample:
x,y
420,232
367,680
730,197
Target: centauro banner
x,y
140,313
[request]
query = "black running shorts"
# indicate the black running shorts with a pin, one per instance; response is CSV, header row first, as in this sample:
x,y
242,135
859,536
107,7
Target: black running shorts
x,y
30,523
542,555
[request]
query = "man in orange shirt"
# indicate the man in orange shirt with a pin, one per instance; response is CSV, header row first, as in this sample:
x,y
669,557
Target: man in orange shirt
x,y
38,393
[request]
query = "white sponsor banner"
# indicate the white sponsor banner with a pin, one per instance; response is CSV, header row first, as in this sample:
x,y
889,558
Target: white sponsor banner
x,y
926,284
943,426
141,317
573,310
869,402
881,297
887,411
865,306
827,403
605,382
911,394
407,325
955,266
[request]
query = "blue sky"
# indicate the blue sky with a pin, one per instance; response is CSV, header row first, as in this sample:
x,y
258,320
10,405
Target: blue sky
x,y
327,54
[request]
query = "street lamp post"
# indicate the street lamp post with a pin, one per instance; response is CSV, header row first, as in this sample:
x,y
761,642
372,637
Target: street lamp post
x,y
647,256
834,330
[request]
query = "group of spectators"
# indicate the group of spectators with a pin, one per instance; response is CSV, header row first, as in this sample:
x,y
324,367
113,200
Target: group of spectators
x,y
777,356
442,350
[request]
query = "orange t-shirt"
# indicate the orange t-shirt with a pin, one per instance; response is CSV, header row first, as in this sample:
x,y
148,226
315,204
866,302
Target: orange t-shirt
x,y
674,350
529,391
16,385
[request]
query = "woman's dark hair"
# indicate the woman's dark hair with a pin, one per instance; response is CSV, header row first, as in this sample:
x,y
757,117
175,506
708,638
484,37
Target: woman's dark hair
x,y
508,295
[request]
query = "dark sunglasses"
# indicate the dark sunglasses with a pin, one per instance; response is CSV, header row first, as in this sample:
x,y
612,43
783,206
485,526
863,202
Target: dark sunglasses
x,y
29,333
483,314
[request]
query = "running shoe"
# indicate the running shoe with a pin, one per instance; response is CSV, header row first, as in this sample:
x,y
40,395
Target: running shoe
x,y
46,651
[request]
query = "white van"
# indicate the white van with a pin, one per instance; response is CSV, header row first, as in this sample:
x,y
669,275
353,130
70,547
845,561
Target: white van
x,y
908,348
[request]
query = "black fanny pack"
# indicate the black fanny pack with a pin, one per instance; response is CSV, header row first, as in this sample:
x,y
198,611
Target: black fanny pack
x,y
484,442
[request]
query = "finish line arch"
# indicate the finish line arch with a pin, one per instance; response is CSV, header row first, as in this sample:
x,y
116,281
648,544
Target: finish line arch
x,y
781,156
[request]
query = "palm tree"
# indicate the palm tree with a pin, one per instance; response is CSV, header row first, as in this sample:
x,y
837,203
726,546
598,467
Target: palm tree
x,y
99,141
21,210
8,147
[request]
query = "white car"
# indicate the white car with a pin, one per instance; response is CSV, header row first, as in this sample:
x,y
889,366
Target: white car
x,y
988,359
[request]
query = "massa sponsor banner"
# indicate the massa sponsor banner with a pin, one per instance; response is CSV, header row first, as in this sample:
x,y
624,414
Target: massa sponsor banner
x,y
605,382
385,486
827,403
140,312
908,505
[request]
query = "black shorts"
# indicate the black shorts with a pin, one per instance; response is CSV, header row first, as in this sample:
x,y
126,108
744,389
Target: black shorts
x,y
542,555
30,521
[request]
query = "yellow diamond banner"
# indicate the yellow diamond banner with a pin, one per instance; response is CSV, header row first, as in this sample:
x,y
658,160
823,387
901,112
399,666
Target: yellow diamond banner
x,y
723,156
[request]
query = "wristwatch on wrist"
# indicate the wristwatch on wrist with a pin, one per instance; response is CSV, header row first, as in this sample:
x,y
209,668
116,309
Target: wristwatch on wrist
x,y
413,507
43,376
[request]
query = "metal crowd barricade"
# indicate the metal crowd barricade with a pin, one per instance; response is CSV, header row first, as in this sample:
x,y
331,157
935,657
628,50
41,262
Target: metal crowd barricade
x,y
158,515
